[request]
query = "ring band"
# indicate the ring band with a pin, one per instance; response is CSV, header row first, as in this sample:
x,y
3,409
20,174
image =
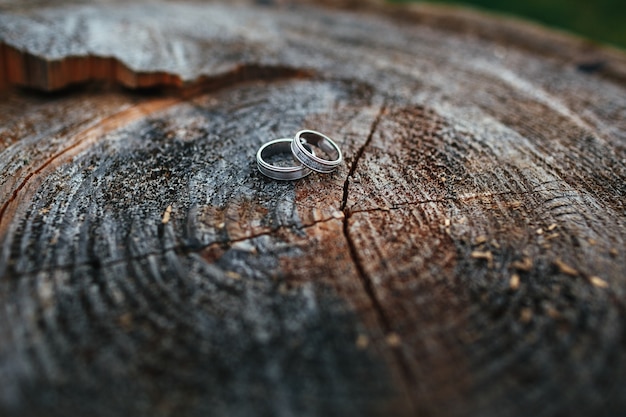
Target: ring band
x,y
307,156
276,147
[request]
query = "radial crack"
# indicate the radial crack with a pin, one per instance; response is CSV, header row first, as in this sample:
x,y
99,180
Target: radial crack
x,y
359,154
179,249
368,285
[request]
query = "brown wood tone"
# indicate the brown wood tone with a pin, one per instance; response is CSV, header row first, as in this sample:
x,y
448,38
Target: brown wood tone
x,y
467,258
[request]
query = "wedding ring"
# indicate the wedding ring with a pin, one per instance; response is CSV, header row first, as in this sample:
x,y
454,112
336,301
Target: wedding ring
x,y
308,157
276,147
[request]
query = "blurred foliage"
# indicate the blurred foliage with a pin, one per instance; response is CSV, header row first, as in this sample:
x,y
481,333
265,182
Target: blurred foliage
x,y
600,20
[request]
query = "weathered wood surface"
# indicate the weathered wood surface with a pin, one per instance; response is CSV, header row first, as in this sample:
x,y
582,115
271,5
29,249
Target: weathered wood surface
x,y
467,259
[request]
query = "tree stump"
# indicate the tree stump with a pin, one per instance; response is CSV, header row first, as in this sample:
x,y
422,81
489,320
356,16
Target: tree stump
x,y
466,259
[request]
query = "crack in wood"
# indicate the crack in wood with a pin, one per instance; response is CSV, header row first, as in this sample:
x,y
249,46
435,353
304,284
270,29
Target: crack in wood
x,y
358,156
179,249
409,378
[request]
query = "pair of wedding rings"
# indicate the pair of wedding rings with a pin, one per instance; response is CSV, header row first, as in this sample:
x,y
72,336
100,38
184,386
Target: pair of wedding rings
x,y
302,147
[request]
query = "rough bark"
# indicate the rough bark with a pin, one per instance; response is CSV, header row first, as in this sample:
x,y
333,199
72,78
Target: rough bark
x,y
467,259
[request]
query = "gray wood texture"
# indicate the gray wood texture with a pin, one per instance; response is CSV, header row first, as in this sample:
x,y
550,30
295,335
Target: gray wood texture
x,y
466,259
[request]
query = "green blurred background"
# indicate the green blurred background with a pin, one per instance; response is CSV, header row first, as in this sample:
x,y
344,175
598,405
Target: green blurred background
x,y
603,21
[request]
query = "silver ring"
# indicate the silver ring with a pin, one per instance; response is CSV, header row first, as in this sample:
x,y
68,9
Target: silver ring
x,y
276,147
308,158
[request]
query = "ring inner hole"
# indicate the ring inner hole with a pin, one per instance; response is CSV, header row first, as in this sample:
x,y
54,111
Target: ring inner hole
x,y
279,155
321,143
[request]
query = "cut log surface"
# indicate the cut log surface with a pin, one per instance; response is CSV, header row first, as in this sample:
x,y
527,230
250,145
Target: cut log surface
x,y
466,259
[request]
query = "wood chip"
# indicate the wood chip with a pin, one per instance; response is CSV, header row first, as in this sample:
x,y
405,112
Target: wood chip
x,y
539,231
393,340
233,275
526,315
613,252
598,282
525,264
244,246
125,321
362,342
480,240
514,282
166,215
446,222
552,227
283,288
565,268
592,242
55,237
552,236
553,312
486,255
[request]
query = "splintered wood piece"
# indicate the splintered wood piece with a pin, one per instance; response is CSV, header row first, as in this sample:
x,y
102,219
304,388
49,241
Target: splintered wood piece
x,y
148,268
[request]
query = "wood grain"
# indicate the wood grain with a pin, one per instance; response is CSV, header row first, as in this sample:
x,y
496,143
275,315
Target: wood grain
x,y
467,259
